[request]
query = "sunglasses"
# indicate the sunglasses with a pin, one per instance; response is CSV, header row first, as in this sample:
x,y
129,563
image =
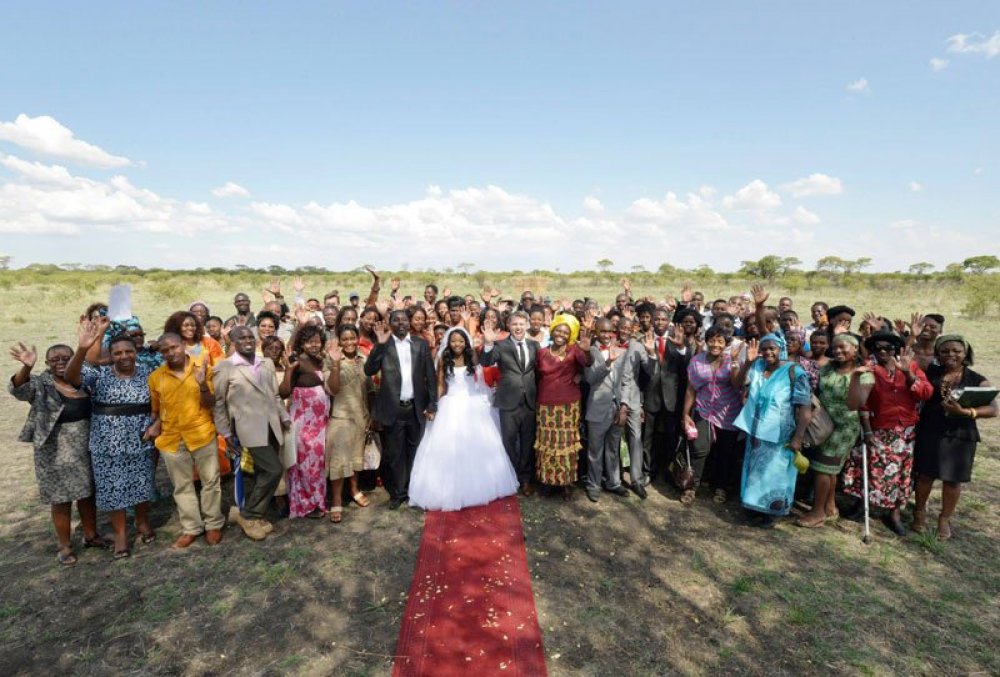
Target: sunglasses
x,y
882,347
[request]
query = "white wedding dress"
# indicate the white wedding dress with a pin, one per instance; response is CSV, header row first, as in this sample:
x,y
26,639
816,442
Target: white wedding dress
x,y
461,461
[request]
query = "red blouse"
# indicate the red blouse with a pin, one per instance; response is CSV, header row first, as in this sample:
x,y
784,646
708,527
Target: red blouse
x,y
891,403
557,382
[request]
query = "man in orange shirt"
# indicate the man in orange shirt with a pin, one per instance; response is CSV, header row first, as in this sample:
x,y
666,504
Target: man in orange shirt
x,y
183,399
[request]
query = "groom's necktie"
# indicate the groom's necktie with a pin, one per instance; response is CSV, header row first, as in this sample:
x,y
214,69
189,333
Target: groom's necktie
x,y
520,355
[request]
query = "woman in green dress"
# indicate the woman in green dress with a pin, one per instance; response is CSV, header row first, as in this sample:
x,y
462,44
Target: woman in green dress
x,y
827,460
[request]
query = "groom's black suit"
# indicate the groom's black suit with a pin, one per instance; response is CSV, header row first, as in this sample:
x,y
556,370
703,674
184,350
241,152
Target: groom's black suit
x,y
403,422
515,398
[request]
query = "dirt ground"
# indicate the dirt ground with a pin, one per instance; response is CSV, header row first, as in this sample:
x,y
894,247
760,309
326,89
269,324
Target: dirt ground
x,y
622,587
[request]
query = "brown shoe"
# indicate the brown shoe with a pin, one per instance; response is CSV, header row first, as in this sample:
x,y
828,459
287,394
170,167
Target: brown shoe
x,y
687,498
213,536
250,528
528,489
183,541
265,526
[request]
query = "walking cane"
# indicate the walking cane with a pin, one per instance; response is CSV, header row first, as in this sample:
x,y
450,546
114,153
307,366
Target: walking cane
x,y
864,486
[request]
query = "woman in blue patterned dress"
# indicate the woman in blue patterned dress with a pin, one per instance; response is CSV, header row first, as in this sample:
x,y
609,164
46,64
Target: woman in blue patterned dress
x,y
121,447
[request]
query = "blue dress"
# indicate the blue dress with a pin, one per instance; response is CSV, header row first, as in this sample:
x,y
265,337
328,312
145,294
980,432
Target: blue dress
x,y
122,461
768,418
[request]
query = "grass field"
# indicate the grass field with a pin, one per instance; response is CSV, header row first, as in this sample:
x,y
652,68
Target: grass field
x,y
622,586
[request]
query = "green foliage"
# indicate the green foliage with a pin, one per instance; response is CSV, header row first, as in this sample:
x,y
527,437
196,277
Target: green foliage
x,y
981,264
770,266
982,296
921,268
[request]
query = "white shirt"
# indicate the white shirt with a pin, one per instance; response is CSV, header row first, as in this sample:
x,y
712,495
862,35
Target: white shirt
x,y
522,346
405,368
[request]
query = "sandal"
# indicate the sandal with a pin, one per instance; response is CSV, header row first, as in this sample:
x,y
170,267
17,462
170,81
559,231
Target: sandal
x,y
66,559
720,496
361,500
317,514
336,514
810,523
98,542
122,554
944,530
147,537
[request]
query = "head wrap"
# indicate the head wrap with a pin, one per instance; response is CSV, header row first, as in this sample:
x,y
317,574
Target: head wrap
x,y
571,323
779,341
846,337
120,327
958,338
797,334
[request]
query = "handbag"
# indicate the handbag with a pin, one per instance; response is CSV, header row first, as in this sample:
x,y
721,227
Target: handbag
x,y
289,447
684,474
820,425
373,451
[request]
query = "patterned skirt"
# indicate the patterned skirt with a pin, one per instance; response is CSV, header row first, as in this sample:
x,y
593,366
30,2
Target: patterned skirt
x,y
890,468
557,444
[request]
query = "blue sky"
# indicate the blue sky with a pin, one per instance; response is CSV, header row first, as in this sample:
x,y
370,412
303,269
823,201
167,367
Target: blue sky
x,y
510,135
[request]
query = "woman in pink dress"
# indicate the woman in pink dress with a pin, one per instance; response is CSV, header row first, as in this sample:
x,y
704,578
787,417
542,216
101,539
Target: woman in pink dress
x,y
310,409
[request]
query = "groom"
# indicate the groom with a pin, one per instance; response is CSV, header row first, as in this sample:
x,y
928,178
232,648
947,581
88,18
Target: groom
x,y
406,398
515,396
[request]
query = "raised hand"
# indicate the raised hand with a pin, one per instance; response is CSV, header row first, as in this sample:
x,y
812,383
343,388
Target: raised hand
x,y
649,342
734,354
373,272
201,373
614,353
905,359
676,335
873,320
588,319
759,294
298,284
752,347
900,326
606,309
916,323
627,286
334,350
88,334
382,331
24,355
584,341
446,292
489,331
670,302
686,293
274,288
842,327
301,315
394,284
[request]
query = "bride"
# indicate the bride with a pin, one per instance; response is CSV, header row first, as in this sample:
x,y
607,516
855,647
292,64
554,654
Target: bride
x,y
461,460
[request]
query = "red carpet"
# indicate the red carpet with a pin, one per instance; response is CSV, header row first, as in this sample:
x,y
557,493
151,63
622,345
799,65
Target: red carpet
x,y
471,610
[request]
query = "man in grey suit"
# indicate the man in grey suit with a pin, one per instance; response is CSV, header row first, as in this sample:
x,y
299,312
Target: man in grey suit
x,y
515,357
666,375
406,398
249,413
633,364
606,414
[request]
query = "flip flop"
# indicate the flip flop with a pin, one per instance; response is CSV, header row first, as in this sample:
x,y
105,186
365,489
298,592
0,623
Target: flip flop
x,y
122,554
336,514
98,542
147,537
361,500
66,559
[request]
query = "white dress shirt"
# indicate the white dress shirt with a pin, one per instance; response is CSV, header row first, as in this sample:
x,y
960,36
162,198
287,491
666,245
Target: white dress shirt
x,y
405,368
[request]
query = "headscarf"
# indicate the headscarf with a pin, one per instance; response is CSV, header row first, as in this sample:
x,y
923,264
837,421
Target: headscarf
x,y
958,338
778,340
120,327
797,334
846,337
571,322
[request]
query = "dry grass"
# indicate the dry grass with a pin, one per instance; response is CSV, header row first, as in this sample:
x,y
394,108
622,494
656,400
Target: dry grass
x,y
621,586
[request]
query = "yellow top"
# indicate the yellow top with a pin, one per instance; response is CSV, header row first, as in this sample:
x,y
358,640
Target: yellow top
x,y
177,401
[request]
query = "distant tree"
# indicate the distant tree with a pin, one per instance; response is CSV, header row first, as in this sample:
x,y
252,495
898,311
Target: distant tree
x,y
830,264
276,270
5,260
605,265
71,266
769,267
921,268
666,269
855,266
639,269
466,267
981,264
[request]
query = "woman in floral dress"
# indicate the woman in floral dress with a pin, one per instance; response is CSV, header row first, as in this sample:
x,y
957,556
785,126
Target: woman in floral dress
x,y
310,409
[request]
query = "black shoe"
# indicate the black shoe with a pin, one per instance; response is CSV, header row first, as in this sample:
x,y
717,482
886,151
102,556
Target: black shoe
x,y
855,512
592,494
639,490
394,503
619,491
895,526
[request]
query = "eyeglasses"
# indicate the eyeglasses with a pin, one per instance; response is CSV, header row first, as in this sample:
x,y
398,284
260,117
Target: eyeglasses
x,y
882,347
55,359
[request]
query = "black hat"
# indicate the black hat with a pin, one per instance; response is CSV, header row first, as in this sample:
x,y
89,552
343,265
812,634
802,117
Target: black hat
x,y
888,337
838,310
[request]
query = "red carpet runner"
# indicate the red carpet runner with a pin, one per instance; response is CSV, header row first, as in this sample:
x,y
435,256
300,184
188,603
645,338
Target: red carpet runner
x,y
471,610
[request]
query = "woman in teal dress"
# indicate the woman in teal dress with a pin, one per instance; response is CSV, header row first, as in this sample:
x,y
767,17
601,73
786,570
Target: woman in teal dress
x,y
774,417
827,460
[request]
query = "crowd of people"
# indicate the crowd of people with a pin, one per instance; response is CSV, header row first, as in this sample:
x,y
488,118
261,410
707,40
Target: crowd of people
x,y
450,400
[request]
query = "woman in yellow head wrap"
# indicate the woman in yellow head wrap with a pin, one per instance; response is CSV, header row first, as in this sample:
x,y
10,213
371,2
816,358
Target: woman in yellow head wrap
x,y
557,441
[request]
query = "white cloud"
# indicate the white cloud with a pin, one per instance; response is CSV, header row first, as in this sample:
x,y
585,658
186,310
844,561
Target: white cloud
x,y
707,192
592,204
650,217
814,184
230,189
903,224
755,196
859,86
804,216
938,65
36,172
47,136
915,187
975,43
978,171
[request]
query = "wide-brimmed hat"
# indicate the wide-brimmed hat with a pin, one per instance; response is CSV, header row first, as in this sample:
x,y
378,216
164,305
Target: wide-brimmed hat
x,y
888,337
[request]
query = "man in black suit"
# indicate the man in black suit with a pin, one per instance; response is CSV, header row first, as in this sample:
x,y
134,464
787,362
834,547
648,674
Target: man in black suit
x,y
406,398
665,376
515,396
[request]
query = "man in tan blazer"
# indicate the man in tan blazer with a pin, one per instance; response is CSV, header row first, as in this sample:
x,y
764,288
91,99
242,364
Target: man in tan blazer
x,y
249,413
